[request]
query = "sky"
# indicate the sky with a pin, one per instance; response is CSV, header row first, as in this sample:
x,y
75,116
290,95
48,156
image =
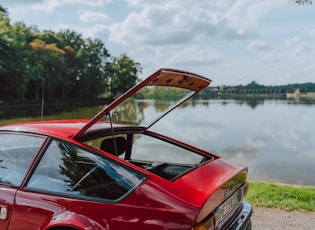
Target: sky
x,y
232,42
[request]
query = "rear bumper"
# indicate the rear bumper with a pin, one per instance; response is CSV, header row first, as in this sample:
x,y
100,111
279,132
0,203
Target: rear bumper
x,y
242,221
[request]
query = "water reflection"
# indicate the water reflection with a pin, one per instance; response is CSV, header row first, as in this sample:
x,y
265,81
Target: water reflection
x,y
274,138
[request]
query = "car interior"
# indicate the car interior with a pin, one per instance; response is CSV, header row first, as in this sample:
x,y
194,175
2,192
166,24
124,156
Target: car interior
x,y
153,154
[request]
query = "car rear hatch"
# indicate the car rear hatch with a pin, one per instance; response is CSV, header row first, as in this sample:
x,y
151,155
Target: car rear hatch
x,y
168,87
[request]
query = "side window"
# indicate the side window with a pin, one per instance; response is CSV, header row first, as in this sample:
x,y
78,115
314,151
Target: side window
x,y
17,152
73,171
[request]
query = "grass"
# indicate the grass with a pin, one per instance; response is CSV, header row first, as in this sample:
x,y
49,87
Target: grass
x,y
286,197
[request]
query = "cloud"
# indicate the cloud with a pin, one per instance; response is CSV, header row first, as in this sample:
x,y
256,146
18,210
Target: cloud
x,y
17,2
310,153
95,31
242,17
174,22
88,16
258,141
291,59
259,45
46,5
297,47
271,56
165,24
195,56
310,33
239,152
51,5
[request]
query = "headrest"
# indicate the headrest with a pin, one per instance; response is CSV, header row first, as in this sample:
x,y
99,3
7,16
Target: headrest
x,y
107,145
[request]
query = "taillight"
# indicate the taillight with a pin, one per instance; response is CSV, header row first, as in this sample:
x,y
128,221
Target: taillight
x,y
244,188
208,224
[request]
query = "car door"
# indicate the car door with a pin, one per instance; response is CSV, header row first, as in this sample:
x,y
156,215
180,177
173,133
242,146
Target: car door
x,y
17,152
74,187
7,195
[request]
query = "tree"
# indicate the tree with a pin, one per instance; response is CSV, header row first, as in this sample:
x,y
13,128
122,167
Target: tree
x,y
122,74
92,77
47,62
73,67
3,11
74,44
13,62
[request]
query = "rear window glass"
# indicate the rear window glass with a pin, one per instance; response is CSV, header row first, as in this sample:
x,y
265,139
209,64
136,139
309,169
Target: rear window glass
x,y
73,171
17,152
153,149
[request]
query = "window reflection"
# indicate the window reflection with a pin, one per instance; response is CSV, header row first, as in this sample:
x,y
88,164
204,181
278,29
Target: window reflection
x,y
67,169
17,152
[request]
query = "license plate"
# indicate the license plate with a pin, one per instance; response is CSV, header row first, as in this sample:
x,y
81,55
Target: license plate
x,y
227,206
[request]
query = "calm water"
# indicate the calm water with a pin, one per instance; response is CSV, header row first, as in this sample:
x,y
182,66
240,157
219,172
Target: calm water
x,y
274,138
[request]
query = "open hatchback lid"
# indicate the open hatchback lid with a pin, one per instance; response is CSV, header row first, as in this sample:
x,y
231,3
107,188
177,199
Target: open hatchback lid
x,y
166,89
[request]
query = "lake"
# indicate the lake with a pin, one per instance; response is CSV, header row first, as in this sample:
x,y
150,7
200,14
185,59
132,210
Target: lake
x,y
275,139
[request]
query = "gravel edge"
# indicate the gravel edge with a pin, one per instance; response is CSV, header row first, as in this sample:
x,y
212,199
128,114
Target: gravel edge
x,y
275,219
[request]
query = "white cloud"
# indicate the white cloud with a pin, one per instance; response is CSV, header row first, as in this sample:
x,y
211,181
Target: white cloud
x,y
297,47
91,31
271,56
310,33
242,18
259,45
195,56
89,2
46,5
164,24
51,5
88,16
174,22
96,30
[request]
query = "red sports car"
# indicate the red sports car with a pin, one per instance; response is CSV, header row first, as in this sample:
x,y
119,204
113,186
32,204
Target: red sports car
x,y
113,172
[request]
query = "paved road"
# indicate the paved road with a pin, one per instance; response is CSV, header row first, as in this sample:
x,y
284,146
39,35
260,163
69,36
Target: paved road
x,y
275,219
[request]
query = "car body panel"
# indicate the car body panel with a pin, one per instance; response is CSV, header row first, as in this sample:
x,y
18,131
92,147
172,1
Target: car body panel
x,y
6,205
57,211
56,128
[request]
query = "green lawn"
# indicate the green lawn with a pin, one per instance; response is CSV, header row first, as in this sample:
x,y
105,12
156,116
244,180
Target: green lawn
x,y
287,197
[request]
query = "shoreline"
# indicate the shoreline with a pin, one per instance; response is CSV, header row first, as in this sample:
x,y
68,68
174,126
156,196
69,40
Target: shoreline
x,y
29,104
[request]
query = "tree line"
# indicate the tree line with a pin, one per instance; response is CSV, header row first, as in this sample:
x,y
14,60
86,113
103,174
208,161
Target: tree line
x,y
255,88
58,65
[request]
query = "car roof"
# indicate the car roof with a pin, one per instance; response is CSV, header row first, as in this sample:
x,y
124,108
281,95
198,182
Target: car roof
x,y
56,128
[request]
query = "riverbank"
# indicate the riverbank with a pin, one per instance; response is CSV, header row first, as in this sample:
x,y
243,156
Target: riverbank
x,y
281,196
30,104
